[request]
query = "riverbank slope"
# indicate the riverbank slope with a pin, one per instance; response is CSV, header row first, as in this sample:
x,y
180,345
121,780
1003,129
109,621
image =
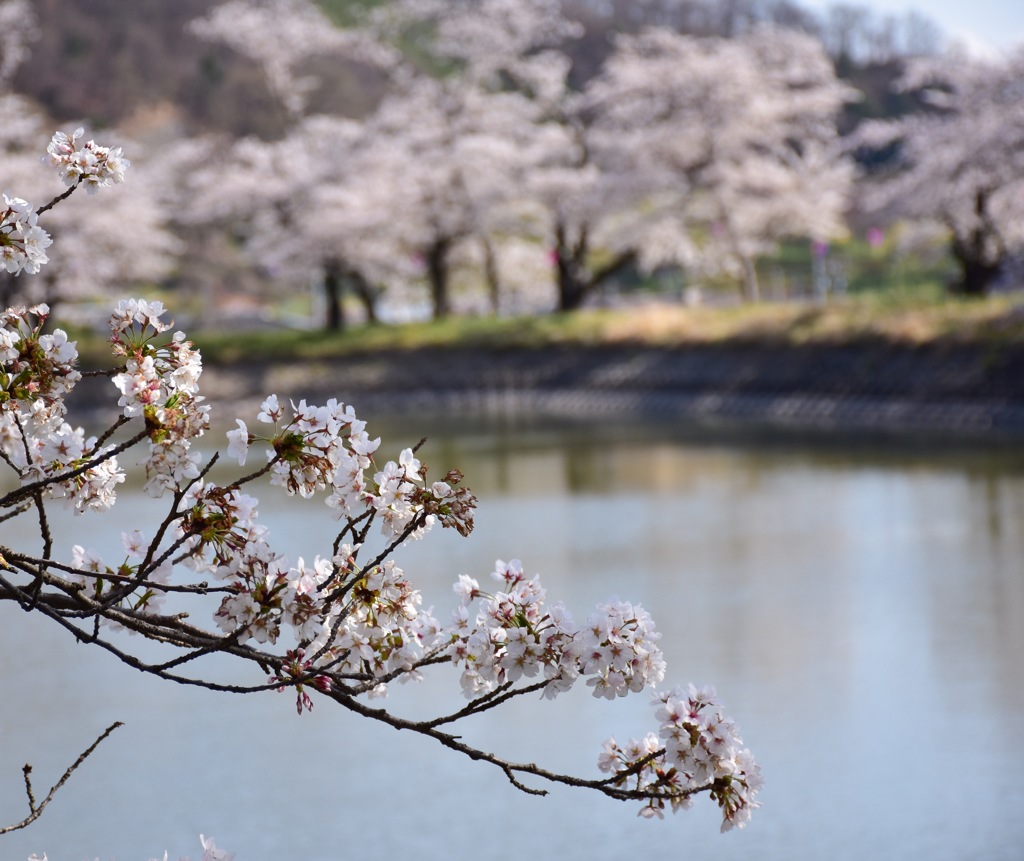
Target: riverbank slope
x,y
946,389
948,369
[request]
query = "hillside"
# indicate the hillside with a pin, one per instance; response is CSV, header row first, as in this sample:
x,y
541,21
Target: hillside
x,y
112,62
120,63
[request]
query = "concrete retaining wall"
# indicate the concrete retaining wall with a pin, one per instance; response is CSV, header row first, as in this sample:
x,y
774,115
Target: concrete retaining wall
x,y
945,390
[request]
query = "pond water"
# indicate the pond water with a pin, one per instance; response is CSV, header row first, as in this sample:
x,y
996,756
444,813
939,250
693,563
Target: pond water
x,y
860,611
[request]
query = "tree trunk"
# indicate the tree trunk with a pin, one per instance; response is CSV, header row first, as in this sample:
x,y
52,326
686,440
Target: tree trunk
x,y
491,275
333,283
976,276
972,252
573,289
573,284
366,293
437,272
751,284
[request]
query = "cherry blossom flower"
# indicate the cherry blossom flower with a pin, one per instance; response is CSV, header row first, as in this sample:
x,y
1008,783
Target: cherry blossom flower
x,y
238,442
92,165
23,243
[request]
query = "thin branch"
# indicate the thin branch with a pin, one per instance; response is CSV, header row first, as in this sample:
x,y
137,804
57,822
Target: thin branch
x,y
58,199
252,476
122,420
350,526
512,769
36,810
108,372
7,459
510,774
30,565
18,509
487,702
44,525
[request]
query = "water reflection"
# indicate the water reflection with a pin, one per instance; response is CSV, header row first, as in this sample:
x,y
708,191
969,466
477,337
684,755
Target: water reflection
x,y
859,610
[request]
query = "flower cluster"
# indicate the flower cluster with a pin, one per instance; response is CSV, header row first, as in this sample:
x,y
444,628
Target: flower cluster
x,y
160,382
292,673
221,536
309,448
90,164
513,636
696,748
376,628
98,578
364,624
317,448
36,371
23,242
91,476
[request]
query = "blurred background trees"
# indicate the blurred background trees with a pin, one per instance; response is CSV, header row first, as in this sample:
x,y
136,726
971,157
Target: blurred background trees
x,y
397,159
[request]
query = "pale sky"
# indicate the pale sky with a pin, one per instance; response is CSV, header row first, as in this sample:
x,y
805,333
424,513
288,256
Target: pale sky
x,y
984,25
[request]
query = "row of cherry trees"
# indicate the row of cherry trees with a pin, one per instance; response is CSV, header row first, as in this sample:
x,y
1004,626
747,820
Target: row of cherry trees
x,y
484,177
663,159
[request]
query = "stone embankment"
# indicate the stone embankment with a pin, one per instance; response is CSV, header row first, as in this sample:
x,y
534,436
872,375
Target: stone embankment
x,y
940,389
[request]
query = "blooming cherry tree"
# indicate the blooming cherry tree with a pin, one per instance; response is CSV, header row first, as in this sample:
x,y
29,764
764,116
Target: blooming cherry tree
x,y
598,206
300,202
960,161
452,159
300,209
464,141
743,130
282,36
442,158
343,627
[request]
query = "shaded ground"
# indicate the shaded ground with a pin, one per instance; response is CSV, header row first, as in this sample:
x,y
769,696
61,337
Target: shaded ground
x,y
940,389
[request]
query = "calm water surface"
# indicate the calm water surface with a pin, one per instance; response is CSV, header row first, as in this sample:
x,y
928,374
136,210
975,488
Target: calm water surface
x,y
861,613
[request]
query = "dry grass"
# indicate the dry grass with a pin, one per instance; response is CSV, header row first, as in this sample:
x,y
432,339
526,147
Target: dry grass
x,y
996,321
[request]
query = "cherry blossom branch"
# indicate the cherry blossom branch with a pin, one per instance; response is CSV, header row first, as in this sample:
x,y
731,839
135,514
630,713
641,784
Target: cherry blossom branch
x,y
60,197
487,701
511,769
427,728
31,564
15,496
169,630
354,627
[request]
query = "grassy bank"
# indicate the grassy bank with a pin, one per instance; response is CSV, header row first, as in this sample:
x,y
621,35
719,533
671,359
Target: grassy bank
x,y
994,321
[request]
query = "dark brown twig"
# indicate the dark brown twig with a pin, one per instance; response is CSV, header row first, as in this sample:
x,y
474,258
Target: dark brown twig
x,y
36,810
